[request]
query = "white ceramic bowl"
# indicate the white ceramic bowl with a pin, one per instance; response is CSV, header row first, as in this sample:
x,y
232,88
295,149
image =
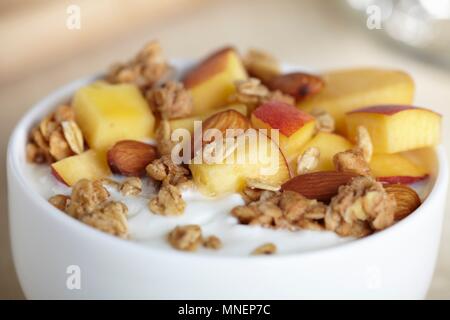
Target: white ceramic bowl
x,y
395,263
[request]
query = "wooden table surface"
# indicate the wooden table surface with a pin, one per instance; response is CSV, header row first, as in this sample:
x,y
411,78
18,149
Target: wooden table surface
x,y
315,34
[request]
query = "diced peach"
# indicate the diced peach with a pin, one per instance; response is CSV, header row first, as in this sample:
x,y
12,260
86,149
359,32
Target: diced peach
x,y
295,126
347,90
212,81
328,144
396,168
396,128
109,113
90,164
262,160
188,123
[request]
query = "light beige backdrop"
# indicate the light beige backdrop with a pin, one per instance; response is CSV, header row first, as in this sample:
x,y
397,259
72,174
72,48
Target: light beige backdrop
x,y
315,34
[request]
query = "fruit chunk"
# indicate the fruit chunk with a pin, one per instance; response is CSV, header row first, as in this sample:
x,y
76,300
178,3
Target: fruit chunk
x,y
90,165
396,128
396,168
347,90
328,144
188,123
212,81
295,126
321,185
110,113
130,157
297,84
255,157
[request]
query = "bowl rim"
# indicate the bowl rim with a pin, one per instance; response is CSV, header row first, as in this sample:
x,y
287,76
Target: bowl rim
x,y
20,133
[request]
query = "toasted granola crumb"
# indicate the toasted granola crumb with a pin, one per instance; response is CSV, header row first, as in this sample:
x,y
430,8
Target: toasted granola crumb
x,y
110,183
147,68
58,146
351,161
168,201
251,194
261,65
59,201
131,186
262,185
163,169
267,248
364,142
185,238
324,121
245,214
56,137
359,208
110,217
252,93
308,161
171,100
163,142
212,242
86,196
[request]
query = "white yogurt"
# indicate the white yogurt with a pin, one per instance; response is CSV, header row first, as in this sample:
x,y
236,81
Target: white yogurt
x,y
212,214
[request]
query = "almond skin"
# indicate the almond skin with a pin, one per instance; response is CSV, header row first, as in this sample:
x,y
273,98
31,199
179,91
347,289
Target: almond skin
x,y
407,199
130,157
228,119
297,84
322,185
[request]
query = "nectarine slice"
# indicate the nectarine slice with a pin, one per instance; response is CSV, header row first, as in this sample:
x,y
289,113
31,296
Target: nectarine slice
x,y
396,128
350,89
211,82
396,168
295,127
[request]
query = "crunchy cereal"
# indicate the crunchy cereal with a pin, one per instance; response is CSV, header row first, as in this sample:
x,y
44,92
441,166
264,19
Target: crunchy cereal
x,y
212,242
131,186
146,69
364,142
351,161
324,121
252,93
171,100
164,170
186,238
56,137
267,248
110,217
163,142
360,207
168,201
308,161
86,196
60,201
262,185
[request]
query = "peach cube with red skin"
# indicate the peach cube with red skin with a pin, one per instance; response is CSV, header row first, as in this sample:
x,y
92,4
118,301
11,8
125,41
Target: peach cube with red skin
x,y
295,127
396,128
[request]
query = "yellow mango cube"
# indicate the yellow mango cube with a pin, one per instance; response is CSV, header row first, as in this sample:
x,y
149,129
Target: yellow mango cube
x,y
109,113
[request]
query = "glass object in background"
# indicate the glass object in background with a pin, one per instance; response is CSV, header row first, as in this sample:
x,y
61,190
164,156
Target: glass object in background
x,y
421,25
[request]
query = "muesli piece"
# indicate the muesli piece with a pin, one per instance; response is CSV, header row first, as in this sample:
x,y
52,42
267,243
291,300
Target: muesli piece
x,y
186,238
352,161
131,186
171,100
168,202
265,249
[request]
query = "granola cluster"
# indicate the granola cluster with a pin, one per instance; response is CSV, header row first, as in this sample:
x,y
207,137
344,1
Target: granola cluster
x,y
173,178
56,137
147,68
171,100
360,207
189,238
281,210
252,93
89,204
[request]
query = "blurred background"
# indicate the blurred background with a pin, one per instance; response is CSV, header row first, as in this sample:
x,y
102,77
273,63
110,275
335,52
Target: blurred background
x,y
39,52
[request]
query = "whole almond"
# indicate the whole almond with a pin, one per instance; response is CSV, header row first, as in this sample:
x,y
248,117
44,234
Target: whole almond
x,y
407,199
322,185
297,84
228,119
130,157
